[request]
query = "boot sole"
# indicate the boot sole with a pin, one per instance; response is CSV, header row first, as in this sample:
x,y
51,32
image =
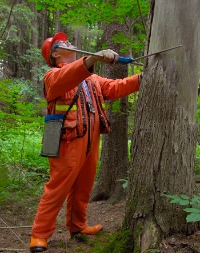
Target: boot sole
x,y
37,249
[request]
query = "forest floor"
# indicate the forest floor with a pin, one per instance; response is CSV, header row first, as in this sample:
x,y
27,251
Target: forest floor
x,y
16,239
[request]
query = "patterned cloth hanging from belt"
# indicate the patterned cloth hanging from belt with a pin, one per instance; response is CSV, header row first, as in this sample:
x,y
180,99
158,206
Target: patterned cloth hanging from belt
x,y
89,98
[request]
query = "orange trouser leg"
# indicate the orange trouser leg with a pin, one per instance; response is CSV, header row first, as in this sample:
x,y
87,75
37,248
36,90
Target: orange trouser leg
x,y
63,173
78,198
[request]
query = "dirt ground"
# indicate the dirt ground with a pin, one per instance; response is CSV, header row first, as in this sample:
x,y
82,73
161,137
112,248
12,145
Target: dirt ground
x,y
19,218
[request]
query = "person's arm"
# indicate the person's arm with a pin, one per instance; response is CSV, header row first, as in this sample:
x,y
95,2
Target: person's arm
x,y
113,89
60,80
65,78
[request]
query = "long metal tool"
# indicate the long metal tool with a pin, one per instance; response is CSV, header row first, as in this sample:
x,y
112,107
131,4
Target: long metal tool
x,y
90,53
77,50
120,58
131,60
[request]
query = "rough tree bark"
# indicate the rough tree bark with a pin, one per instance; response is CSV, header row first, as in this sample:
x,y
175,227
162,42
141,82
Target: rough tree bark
x,y
164,139
114,156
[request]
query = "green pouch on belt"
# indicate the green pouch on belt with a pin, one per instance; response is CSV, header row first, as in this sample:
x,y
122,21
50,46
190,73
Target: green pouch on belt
x,y
52,135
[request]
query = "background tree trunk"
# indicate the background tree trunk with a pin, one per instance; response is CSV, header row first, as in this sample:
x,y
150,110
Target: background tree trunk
x,y
114,156
34,41
164,140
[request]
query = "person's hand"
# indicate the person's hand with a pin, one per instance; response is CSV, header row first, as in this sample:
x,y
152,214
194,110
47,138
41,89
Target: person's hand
x,y
107,56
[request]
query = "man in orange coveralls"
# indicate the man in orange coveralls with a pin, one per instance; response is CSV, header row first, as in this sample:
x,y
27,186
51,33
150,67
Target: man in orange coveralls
x,y
72,174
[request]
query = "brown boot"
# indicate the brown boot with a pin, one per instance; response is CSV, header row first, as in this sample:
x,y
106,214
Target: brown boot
x,y
91,230
38,245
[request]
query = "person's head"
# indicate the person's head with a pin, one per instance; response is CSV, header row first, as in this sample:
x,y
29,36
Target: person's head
x,y
52,54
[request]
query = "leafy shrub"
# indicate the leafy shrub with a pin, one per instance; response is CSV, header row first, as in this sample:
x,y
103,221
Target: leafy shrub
x,y
197,161
193,204
21,164
21,131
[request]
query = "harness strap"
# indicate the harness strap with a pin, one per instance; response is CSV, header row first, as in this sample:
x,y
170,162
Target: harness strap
x,y
75,98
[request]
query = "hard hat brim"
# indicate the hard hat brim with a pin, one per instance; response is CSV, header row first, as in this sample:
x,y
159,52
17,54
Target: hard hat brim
x,y
59,36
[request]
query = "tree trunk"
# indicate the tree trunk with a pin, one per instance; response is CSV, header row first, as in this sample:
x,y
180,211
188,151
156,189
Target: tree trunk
x,y
34,42
165,135
43,26
114,156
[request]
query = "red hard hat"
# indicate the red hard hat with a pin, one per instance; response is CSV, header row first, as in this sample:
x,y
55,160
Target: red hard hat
x,y
46,46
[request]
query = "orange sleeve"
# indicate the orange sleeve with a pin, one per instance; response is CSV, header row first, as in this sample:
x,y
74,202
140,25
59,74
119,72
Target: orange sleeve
x,y
114,89
61,80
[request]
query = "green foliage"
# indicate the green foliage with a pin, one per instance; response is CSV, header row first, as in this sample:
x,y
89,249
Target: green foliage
x,y
15,96
181,200
116,243
21,165
198,113
93,12
197,161
116,106
21,130
20,21
193,203
22,17
17,53
33,54
125,182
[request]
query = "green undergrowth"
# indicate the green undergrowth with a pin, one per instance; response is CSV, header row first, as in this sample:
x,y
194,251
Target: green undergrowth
x,y
115,242
23,170
103,242
106,242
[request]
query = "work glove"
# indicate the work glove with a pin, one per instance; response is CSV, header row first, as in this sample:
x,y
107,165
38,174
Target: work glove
x,y
109,56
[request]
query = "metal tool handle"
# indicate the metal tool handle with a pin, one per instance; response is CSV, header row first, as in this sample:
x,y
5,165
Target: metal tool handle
x,y
120,58
77,50
125,60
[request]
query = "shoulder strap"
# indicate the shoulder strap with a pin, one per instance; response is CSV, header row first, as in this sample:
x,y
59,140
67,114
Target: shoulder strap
x,y
75,98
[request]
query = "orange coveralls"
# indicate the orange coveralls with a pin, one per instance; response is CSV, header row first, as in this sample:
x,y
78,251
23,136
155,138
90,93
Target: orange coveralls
x,y
72,174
